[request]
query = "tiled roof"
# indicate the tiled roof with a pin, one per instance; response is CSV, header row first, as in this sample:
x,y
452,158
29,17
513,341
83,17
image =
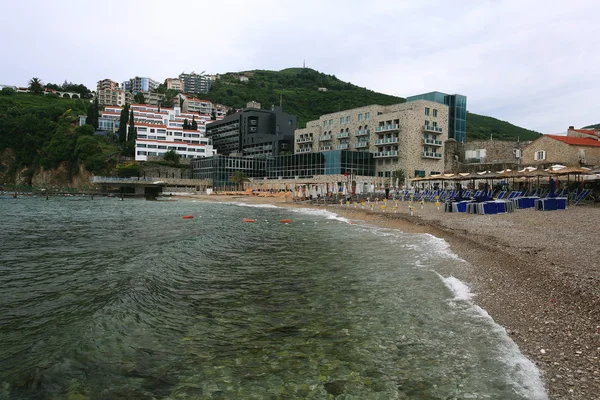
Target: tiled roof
x,y
585,131
575,141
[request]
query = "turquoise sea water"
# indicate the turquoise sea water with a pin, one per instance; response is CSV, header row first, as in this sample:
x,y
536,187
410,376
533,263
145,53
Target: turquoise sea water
x,y
110,299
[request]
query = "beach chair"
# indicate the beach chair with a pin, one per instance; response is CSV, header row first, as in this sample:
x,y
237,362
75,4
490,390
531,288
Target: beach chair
x,y
581,196
501,195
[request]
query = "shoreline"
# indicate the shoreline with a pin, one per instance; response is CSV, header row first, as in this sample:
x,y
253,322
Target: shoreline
x,y
536,273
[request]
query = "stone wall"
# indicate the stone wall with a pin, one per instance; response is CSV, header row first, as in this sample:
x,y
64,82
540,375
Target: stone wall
x,y
558,152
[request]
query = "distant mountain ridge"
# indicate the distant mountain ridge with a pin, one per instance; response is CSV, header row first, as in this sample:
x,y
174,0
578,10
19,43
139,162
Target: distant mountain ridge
x,y
308,94
595,126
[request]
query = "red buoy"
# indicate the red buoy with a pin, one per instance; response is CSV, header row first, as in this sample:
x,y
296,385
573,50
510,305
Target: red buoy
x,y
187,217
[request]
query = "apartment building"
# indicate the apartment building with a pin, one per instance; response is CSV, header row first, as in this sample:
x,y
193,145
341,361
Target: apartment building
x,y
139,84
112,97
107,84
174,84
408,136
254,132
195,83
161,130
457,112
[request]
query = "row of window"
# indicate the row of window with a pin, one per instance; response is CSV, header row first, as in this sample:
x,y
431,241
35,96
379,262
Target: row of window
x,y
154,153
162,147
347,119
427,112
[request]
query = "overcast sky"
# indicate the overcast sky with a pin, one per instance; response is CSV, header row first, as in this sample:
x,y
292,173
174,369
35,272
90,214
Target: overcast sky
x,y
534,63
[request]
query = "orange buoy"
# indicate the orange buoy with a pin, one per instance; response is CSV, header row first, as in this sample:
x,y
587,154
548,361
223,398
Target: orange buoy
x,y
187,217
247,220
285,221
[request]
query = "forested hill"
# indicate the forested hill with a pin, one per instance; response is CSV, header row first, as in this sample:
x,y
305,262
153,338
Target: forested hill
x,y
298,90
595,126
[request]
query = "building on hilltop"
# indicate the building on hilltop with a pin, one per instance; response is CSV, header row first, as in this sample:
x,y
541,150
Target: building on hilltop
x,y
457,112
566,150
408,136
107,84
113,97
254,132
195,83
139,84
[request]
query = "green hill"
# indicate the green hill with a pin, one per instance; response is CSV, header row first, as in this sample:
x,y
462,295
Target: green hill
x,y
482,127
297,88
595,126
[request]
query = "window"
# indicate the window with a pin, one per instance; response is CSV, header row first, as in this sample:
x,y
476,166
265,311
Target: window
x,y
330,122
367,116
435,112
360,117
426,110
341,120
434,124
348,119
419,173
540,155
426,123
324,123
289,121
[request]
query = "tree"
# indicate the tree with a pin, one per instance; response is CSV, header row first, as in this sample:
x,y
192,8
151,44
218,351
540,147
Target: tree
x,y
172,156
132,133
230,111
399,176
123,121
186,125
194,124
239,178
93,114
7,91
36,86
139,98
213,115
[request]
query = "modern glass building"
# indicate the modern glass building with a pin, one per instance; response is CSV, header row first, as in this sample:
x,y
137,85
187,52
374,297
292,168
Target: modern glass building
x,y
220,168
457,118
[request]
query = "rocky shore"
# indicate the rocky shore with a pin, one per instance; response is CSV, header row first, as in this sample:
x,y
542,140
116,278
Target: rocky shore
x,y
536,273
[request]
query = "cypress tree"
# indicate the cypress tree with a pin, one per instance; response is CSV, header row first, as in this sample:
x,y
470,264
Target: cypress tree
x,y
93,114
194,125
123,121
186,125
131,134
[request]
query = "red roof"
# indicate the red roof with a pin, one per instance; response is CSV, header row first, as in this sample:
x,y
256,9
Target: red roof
x,y
167,142
586,131
150,125
575,141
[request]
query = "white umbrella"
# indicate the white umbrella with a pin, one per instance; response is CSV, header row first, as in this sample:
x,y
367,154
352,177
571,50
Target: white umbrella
x,y
344,190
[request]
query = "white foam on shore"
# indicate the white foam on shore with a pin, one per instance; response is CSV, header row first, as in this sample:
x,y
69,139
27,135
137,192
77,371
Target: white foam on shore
x,y
320,213
236,203
524,375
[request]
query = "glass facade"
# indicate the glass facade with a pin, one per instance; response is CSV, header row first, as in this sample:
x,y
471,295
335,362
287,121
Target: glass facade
x,y
457,118
304,165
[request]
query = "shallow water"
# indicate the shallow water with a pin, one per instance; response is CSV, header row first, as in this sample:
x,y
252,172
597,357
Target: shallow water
x,y
125,299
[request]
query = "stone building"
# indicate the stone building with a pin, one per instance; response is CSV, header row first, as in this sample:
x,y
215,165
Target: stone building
x,y
408,136
483,155
566,150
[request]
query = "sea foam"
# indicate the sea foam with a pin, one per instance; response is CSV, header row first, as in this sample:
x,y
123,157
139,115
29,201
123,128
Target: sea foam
x,y
524,375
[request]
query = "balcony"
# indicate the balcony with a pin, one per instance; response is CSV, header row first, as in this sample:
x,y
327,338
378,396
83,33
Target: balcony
x,y
387,128
362,132
383,142
361,144
324,138
434,129
304,139
432,142
386,154
325,148
304,150
428,154
343,135
342,146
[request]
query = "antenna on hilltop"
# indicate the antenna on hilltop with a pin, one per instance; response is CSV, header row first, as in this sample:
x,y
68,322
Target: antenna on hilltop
x,y
304,63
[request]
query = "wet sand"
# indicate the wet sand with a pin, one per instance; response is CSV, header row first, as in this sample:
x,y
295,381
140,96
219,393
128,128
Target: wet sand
x,y
536,273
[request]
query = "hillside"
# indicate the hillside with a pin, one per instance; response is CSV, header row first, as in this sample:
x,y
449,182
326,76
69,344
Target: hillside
x,y
482,127
40,133
595,126
298,88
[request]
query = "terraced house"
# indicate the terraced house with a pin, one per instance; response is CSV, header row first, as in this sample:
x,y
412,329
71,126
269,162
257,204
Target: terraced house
x,y
408,136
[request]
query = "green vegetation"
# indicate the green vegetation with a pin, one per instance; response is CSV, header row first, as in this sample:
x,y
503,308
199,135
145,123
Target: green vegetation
x,y
172,156
128,170
595,126
239,178
42,132
482,127
298,90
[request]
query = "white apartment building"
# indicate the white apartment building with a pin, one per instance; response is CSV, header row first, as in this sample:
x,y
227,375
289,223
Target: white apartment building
x,y
111,97
408,136
175,84
161,131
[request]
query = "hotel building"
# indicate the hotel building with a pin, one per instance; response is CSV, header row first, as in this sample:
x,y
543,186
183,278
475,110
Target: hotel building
x,y
195,83
408,136
160,131
139,84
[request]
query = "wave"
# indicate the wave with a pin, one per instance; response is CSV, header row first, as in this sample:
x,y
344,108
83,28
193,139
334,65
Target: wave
x,y
320,213
523,374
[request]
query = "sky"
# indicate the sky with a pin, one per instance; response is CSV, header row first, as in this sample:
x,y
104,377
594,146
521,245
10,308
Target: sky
x,y
534,63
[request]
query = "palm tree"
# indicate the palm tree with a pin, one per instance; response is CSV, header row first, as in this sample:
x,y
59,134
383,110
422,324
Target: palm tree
x,y
36,86
239,178
399,177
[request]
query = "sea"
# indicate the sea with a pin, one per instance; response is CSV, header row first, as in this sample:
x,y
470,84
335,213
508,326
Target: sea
x,y
111,299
